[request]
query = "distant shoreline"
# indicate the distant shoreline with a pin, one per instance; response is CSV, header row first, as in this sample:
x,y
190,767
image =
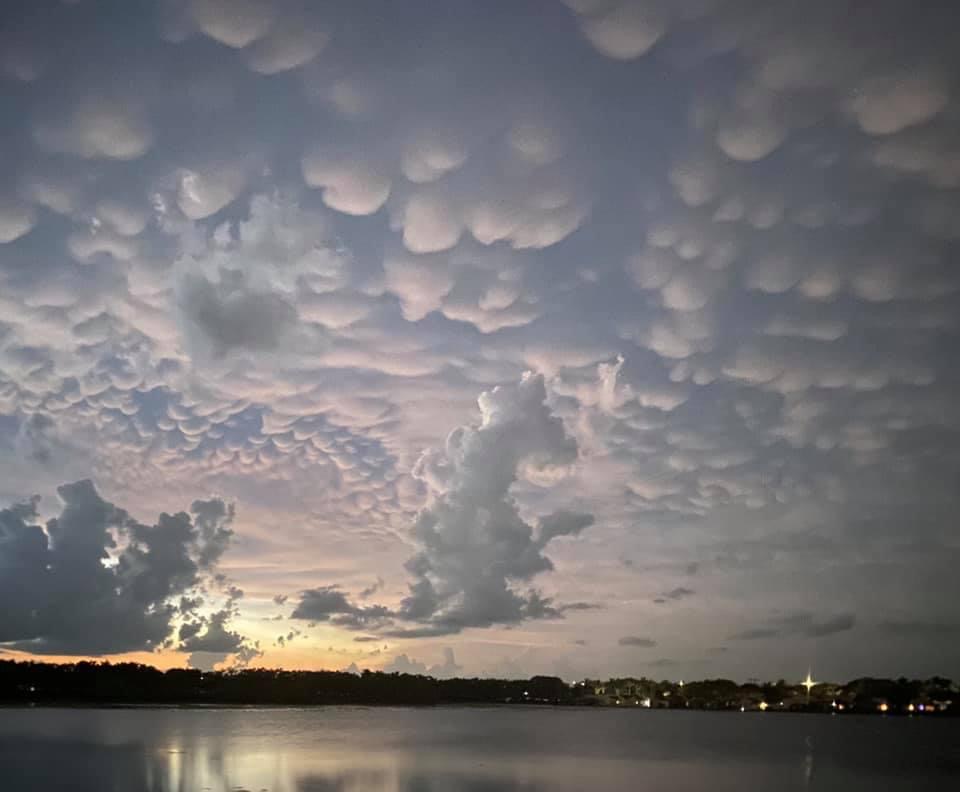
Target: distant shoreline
x,y
27,684
516,706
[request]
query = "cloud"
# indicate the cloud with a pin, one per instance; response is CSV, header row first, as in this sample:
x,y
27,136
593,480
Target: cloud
x,y
401,664
623,30
801,624
205,190
210,641
637,642
93,580
886,105
16,219
229,316
372,589
293,40
350,184
473,542
328,603
474,546
235,23
238,257
678,593
97,128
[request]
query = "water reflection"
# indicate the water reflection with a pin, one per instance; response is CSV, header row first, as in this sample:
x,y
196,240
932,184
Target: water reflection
x,y
58,765
464,750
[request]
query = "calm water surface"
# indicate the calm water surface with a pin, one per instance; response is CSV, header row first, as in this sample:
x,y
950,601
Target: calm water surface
x,y
351,749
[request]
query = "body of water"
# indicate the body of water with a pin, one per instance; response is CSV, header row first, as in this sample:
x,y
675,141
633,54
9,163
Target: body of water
x,y
352,749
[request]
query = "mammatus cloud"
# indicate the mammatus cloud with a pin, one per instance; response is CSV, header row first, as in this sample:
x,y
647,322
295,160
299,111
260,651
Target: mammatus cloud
x,y
93,580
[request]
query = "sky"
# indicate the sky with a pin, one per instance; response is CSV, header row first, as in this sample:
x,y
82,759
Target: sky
x,y
570,337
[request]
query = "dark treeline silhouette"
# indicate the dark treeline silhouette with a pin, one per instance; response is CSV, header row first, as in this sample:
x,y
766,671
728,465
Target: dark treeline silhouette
x,y
26,682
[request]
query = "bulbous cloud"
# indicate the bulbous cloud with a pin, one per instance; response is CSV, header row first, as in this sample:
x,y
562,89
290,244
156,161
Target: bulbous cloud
x,y
294,40
351,184
204,191
235,23
622,30
95,581
16,219
97,128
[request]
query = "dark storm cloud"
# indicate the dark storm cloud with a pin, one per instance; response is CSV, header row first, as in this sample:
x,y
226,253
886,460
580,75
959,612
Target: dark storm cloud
x,y
95,581
802,625
231,317
329,603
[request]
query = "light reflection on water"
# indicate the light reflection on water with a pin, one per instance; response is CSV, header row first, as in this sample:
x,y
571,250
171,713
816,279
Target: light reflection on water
x,y
465,750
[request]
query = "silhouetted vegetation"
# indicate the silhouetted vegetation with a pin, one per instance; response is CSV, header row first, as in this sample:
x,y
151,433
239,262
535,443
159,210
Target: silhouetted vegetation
x,y
24,682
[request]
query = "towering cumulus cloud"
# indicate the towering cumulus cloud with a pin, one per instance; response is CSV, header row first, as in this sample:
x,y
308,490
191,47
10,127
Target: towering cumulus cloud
x,y
474,543
475,548
95,581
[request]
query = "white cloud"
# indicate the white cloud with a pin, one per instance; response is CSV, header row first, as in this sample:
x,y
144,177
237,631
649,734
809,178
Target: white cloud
x,y
626,31
432,154
16,219
292,42
206,190
236,23
750,136
886,105
430,223
350,184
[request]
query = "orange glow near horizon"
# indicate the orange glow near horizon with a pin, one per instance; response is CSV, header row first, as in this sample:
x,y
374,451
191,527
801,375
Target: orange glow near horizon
x,y
291,659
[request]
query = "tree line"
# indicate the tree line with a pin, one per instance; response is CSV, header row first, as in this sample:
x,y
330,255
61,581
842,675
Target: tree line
x,y
28,682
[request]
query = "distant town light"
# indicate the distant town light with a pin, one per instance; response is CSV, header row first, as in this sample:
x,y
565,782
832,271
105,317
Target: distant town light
x,y
921,708
763,706
910,708
883,706
808,683
743,709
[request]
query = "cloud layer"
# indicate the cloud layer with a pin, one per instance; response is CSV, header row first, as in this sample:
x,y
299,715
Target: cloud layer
x,y
237,257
